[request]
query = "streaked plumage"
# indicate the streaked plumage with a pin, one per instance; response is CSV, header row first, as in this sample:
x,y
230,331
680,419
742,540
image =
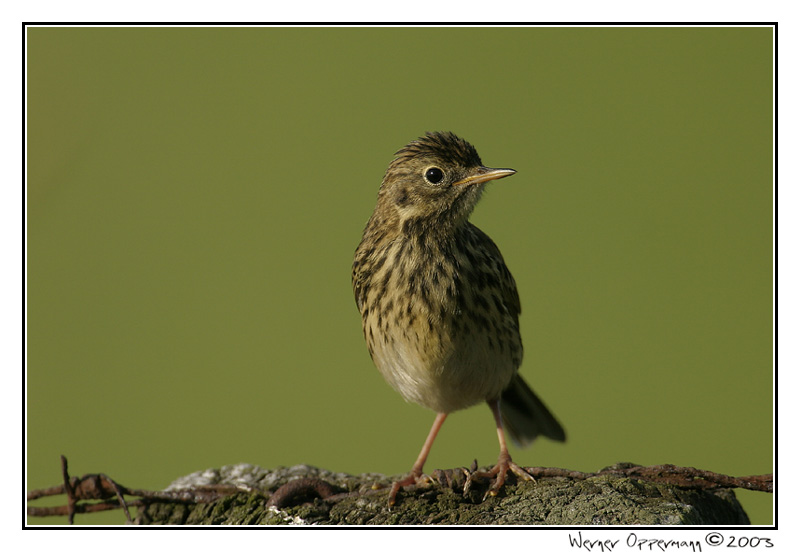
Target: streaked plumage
x,y
440,309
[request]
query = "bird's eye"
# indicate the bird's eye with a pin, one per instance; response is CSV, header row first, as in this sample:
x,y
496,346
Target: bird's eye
x,y
434,175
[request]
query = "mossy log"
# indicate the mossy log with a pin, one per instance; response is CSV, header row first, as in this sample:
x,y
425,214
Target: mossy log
x,y
362,500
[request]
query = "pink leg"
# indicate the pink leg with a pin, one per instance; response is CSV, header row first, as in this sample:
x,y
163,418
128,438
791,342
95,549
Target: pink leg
x,y
415,476
504,462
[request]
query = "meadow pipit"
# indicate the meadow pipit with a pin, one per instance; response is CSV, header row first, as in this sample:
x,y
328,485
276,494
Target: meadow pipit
x,y
438,306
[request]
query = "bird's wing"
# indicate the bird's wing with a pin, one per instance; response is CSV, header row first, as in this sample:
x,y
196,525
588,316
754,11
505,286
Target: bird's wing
x,y
493,257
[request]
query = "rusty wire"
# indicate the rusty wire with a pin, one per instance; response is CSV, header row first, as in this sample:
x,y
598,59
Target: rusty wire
x,y
110,494
107,494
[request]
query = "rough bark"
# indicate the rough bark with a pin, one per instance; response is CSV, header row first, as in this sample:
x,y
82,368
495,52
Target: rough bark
x,y
362,500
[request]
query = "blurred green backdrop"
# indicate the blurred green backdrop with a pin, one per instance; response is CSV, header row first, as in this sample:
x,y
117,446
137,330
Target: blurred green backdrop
x,y
195,196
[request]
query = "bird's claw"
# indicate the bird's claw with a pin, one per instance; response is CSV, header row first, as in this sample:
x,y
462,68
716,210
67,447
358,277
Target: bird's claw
x,y
499,474
411,479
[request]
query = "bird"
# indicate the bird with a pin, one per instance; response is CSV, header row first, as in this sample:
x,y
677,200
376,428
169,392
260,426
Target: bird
x,y
439,307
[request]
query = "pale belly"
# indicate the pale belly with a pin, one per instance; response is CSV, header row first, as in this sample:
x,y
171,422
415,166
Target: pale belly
x,y
441,369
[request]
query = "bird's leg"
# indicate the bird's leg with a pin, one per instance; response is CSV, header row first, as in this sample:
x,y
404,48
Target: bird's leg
x,y
415,476
504,462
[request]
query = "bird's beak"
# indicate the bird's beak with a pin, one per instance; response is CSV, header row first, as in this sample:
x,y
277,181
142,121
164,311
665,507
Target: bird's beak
x,y
485,174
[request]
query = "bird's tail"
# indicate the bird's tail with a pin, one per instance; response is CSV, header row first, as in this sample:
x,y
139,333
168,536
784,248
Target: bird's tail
x,y
525,416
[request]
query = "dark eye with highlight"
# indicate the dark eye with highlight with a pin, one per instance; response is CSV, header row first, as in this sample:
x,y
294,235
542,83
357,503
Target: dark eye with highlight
x,y
434,175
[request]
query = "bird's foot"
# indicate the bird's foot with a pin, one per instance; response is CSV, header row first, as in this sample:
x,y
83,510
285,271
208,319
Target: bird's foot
x,y
504,464
413,478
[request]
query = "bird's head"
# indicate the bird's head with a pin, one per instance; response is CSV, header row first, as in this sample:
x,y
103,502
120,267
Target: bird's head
x,y
435,181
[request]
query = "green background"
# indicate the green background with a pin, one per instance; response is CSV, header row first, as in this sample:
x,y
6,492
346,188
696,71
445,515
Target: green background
x,y
195,196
